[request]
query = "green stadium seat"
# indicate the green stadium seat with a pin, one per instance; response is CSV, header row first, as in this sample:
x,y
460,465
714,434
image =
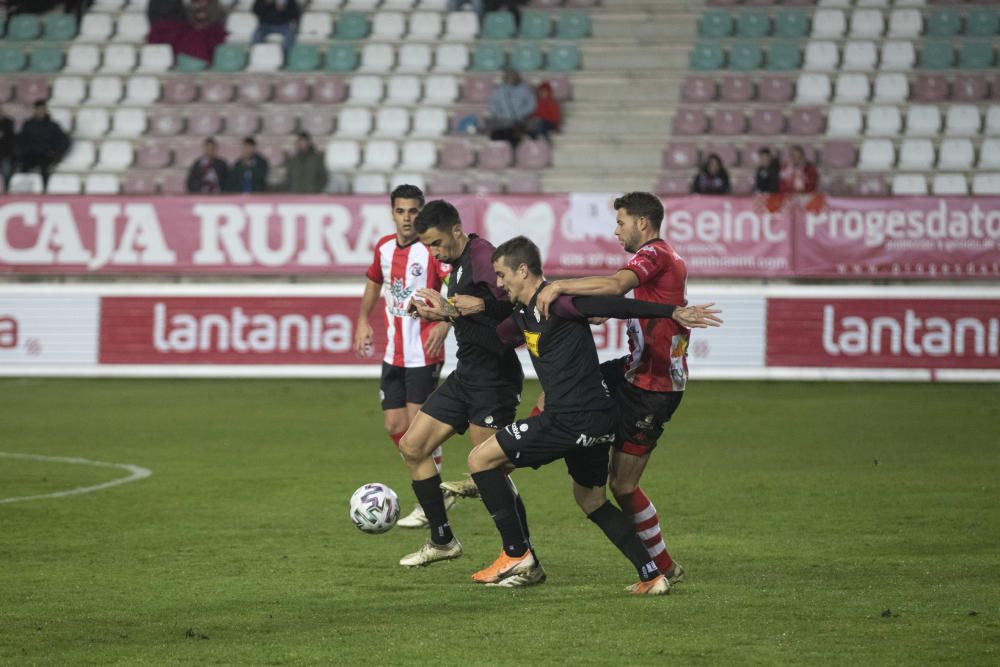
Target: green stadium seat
x,y
791,24
535,25
715,24
982,22
563,58
303,58
488,58
945,22
753,24
186,63
342,58
745,56
46,59
706,56
60,27
573,25
526,58
975,55
24,28
352,26
12,59
499,25
783,56
937,55
230,58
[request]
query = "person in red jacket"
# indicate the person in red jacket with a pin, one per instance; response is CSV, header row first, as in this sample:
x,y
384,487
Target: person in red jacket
x,y
798,175
548,116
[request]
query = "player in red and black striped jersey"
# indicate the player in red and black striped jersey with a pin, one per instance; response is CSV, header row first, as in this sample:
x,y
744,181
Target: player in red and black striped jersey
x,y
649,383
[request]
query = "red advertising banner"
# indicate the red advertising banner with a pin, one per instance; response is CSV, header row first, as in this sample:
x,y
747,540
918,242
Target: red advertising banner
x,y
883,333
231,330
905,237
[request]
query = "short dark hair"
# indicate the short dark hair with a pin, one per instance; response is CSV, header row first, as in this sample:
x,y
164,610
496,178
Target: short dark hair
x,y
763,149
209,140
407,192
438,214
642,205
517,251
249,141
40,103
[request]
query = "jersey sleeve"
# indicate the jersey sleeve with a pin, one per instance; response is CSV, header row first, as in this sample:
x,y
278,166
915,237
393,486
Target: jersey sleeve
x,y
482,270
647,263
374,272
510,334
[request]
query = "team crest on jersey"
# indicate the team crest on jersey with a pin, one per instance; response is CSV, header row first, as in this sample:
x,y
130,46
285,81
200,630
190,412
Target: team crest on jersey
x,y
416,270
399,293
531,341
458,275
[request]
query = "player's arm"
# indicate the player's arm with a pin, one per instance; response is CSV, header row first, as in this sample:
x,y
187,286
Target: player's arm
x,y
583,307
622,282
363,329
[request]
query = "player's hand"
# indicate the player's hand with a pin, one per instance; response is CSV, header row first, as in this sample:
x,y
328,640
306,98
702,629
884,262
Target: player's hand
x,y
434,344
698,317
435,302
468,305
549,293
362,338
419,308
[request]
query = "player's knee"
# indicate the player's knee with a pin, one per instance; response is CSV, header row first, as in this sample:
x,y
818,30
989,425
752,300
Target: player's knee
x,y
411,449
476,461
588,498
622,487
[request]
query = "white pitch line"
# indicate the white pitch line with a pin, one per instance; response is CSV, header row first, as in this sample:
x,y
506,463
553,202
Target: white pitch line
x,y
136,473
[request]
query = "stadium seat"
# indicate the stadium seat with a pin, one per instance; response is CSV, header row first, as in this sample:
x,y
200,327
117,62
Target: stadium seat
x,y
119,59
524,182
166,124
353,122
535,25
745,56
477,89
352,26
715,24
403,89
82,59
26,184
447,183
218,91
860,55
64,184
791,24
240,26
132,27
369,184
461,26
916,154
391,122
105,91
706,56
753,24
930,88
698,89
318,124
526,57
812,88
867,24
429,122
852,88
155,58
937,55
341,58
776,89
839,155
441,89
909,184
982,22
395,180
29,89
68,91
884,121
532,154
331,90
205,123
23,28
92,123
457,155
366,89
46,60
414,58
315,27
138,183
844,121
891,87
425,26
486,58
563,58
949,184
377,57
905,23
101,184
303,58
280,123
943,23
729,122
496,155
970,88
153,155
975,55
242,122
727,152
294,90
419,154
342,155
499,25
12,59
767,122
361,5
986,184
60,27
962,119
989,154
689,122
821,55
956,154
680,156
79,158
898,55
828,24
805,121
736,88
573,25
923,120
388,25
230,58
96,28
993,121
380,155
876,154
265,58
188,65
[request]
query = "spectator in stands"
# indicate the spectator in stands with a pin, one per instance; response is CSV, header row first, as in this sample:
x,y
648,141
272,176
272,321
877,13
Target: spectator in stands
x,y
277,17
798,174
547,116
249,173
192,30
511,107
6,149
208,173
712,178
306,171
766,178
41,144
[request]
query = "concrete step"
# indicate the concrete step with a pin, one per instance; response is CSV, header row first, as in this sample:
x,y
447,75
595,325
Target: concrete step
x,y
621,122
639,91
620,57
608,153
598,180
645,28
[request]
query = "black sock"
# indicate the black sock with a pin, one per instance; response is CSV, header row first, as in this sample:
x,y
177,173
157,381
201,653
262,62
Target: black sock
x,y
522,514
500,501
428,492
618,529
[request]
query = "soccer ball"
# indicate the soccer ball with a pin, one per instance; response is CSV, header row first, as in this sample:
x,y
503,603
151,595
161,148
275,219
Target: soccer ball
x,y
374,508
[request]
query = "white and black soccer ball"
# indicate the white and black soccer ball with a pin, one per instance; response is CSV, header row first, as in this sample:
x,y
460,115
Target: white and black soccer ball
x,y
374,508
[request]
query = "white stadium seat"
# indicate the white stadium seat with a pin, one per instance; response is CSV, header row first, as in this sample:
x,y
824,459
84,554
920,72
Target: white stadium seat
x,y
812,89
365,89
828,24
844,121
132,27
80,157
993,120
414,58
461,25
342,155
108,6
156,58
92,123
860,55
923,120
105,91
240,26
430,122
425,25
867,24
25,184
407,179
391,122
315,27
852,88
986,184
397,4
63,118
909,184
68,91
821,55
403,89
891,87
129,123
360,5
441,89
989,154
115,155
873,3
876,154
905,23
265,58
354,122
956,154
82,59
64,184
142,90
962,119
119,59
101,184
377,57
451,58
884,121
419,154
380,155
432,5
916,154
949,184
369,184
325,5
95,27
827,4
388,25
898,55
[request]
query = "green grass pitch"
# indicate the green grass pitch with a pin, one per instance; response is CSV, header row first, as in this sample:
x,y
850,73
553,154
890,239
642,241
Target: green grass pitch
x,y
819,524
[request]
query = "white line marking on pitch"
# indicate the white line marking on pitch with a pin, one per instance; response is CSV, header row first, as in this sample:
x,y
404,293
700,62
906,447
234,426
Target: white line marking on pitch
x,y
135,474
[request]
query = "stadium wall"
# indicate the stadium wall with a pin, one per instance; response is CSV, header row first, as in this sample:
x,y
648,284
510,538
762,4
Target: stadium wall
x,y
836,332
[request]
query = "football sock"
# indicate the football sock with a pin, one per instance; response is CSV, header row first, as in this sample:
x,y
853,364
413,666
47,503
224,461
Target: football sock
x,y
396,437
535,412
646,523
616,527
428,492
437,459
501,502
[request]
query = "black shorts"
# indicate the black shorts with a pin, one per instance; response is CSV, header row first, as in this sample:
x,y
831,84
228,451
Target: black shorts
x,y
459,404
641,413
583,439
407,385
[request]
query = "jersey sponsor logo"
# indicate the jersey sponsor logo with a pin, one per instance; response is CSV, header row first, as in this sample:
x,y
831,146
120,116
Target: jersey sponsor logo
x,y
416,270
531,339
399,294
514,431
590,440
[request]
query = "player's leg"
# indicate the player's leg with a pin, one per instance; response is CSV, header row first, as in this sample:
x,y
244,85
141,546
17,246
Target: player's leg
x,y
396,418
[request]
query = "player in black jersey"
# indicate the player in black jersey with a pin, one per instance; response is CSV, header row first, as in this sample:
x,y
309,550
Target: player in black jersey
x,y
578,425
482,393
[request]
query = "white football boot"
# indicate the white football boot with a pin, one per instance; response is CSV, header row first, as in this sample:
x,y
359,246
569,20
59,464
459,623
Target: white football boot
x,y
432,553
